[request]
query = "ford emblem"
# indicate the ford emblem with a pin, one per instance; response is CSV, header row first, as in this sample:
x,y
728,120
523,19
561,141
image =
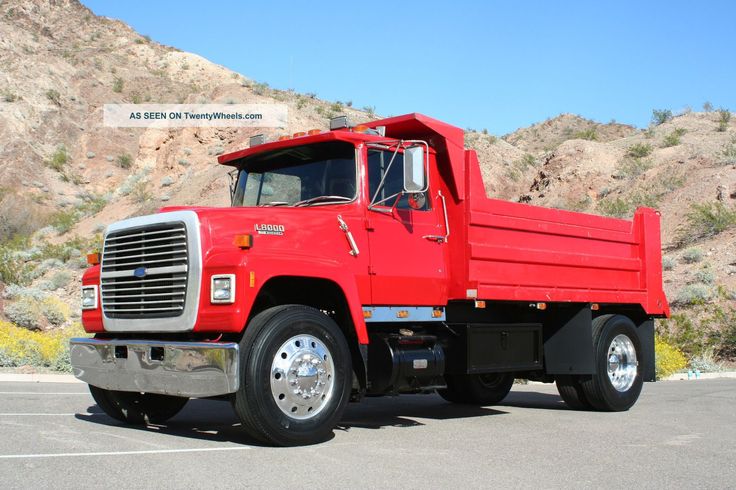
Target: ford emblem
x,y
140,272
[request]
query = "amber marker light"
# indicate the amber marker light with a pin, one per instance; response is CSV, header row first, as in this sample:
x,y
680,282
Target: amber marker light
x,y
312,132
283,138
402,314
93,258
367,314
437,313
299,133
595,307
243,241
360,128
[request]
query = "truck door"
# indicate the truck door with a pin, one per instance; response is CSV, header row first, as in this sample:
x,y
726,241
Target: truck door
x,y
407,260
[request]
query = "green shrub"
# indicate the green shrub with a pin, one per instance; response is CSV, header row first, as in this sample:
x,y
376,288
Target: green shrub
x,y
117,85
13,270
640,150
693,294
705,276
140,193
54,96
589,134
673,139
60,279
25,312
668,358
125,160
729,151
661,116
706,220
632,167
707,107
724,116
55,311
617,207
58,159
668,263
706,362
63,221
692,255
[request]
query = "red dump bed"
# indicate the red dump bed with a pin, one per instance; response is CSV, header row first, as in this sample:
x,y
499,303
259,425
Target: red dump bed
x,y
521,252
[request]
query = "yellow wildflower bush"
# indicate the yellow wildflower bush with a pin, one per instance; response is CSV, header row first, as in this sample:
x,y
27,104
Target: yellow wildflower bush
x,y
669,359
23,347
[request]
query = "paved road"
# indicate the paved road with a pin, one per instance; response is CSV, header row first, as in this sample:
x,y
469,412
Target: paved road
x,y
680,434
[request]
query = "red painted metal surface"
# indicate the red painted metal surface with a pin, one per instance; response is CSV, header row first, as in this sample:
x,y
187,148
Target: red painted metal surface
x,y
502,250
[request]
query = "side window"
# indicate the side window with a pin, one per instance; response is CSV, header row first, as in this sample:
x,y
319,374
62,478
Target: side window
x,y
393,183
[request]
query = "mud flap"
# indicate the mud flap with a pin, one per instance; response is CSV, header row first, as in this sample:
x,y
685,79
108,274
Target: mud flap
x,y
648,360
568,341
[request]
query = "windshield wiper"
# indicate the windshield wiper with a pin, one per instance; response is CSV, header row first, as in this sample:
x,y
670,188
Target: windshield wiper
x,y
307,202
273,203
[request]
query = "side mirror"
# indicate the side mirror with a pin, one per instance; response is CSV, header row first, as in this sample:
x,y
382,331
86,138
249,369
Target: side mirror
x,y
414,176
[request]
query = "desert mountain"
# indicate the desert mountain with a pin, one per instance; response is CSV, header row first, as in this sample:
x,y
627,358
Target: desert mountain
x,y
64,175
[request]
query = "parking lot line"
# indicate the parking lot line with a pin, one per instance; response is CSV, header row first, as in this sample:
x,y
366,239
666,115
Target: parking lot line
x,y
123,453
21,414
43,393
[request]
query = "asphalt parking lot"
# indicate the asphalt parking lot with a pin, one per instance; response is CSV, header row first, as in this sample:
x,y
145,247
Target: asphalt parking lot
x,y
681,434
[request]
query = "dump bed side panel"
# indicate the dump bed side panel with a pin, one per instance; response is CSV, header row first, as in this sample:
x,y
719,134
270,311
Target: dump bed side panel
x,y
522,252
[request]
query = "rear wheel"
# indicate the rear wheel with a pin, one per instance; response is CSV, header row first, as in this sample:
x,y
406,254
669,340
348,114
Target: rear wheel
x,y
572,393
137,408
477,389
296,376
618,382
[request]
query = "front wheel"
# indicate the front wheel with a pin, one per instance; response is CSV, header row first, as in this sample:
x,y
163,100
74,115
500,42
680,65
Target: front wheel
x,y
618,382
477,389
296,376
137,408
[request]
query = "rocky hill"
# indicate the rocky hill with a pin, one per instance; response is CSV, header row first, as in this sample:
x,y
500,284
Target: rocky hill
x,y
63,175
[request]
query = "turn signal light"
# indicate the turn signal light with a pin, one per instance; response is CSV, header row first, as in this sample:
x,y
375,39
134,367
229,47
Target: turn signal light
x,y
93,258
243,241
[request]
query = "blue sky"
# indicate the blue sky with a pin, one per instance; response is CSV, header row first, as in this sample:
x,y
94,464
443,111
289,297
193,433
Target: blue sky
x,y
494,65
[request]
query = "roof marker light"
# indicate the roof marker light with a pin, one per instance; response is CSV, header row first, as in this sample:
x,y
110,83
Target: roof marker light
x,y
299,133
256,140
284,138
339,122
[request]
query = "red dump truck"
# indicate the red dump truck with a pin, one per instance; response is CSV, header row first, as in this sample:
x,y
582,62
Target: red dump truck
x,y
365,261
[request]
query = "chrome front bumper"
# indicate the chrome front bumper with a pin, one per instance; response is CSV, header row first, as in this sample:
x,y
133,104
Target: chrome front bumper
x,y
191,369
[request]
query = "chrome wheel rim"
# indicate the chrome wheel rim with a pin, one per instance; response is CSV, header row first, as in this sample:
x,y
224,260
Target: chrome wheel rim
x,y
302,377
622,363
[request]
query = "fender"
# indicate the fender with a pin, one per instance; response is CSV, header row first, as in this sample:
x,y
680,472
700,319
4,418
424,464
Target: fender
x,y
253,270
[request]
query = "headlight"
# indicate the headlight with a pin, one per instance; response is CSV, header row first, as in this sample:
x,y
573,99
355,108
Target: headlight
x,y
222,289
89,297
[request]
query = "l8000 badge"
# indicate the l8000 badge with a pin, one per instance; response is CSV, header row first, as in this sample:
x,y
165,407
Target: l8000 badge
x,y
269,229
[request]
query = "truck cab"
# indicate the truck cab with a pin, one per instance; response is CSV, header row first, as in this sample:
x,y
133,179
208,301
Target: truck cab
x,y
365,261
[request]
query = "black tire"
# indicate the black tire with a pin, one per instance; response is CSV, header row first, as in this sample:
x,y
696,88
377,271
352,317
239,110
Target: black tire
x,y
255,401
477,389
599,390
137,408
572,393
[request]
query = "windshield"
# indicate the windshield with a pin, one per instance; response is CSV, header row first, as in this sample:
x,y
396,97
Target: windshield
x,y
299,176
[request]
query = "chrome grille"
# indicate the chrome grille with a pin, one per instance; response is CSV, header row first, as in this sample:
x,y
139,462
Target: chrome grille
x,y
144,271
